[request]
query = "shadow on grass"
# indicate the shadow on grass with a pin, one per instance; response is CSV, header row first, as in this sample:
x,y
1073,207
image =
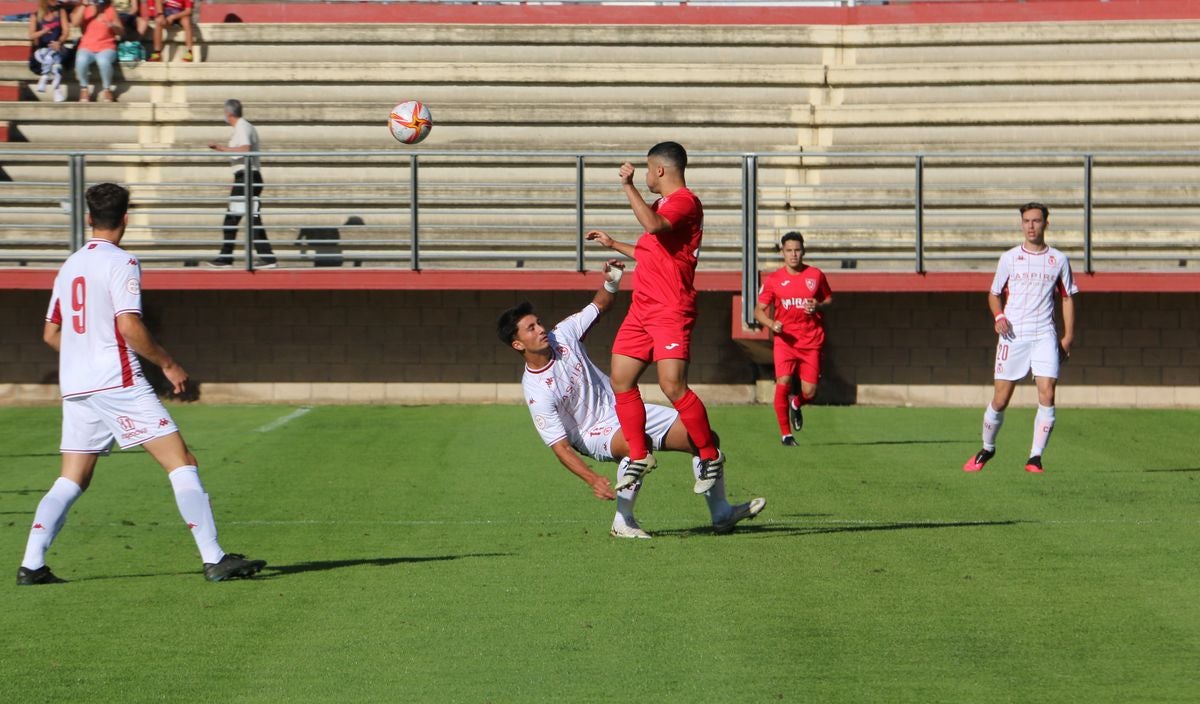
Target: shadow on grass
x,y
1189,469
30,454
774,529
323,565
865,443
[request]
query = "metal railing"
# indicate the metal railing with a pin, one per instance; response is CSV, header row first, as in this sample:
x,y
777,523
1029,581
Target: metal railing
x,y
429,209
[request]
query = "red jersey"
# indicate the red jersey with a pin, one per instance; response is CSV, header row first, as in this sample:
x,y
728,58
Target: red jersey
x,y
666,262
788,293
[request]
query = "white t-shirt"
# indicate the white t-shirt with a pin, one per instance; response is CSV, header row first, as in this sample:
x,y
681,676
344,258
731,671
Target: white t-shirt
x,y
1030,279
569,395
244,134
93,287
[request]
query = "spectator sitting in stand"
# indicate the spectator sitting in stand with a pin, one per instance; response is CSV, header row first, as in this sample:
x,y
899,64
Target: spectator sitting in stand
x,y
100,28
48,29
173,12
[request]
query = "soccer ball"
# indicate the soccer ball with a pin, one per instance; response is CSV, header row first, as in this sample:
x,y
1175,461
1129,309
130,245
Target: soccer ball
x,y
410,121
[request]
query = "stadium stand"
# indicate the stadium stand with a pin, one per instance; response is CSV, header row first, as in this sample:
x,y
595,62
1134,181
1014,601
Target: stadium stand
x,y
995,100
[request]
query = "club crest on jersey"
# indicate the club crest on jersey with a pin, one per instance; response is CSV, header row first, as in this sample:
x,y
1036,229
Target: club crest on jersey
x,y
1052,260
563,351
812,285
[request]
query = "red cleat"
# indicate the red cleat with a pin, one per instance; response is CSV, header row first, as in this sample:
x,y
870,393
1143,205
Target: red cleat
x,y
976,463
1034,465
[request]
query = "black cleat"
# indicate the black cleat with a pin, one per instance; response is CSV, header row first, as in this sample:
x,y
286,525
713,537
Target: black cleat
x,y
795,417
231,567
976,463
1034,465
789,441
42,575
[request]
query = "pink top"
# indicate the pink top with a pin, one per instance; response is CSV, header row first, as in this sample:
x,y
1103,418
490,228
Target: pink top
x,y
97,34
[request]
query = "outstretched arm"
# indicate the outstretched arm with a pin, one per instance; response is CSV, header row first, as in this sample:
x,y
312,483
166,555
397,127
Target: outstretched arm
x,y
141,341
598,482
603,238
613,271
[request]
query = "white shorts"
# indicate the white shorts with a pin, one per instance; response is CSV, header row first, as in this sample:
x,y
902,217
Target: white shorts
x,y
596,439
1015,358
130,416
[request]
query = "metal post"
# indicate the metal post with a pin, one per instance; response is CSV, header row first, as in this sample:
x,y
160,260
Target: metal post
x,y
76,201
414,231
248,197
749,237
579,231
1087,214
919,200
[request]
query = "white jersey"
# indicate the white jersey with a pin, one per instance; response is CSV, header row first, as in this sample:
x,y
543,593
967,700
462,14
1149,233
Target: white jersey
x,y
568,396
244,135
1030,280
93,287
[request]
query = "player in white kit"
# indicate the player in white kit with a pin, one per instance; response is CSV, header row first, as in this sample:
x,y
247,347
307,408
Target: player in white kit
x,y
1028,275
574,409
94,322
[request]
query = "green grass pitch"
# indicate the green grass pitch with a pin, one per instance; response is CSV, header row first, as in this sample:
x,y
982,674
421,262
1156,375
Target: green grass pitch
x,y
440,554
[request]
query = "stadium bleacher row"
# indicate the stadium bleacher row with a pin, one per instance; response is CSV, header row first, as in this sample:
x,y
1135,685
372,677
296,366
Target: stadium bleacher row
x,y
981,91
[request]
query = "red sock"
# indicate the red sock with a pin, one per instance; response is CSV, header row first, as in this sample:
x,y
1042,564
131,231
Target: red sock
x,y
781,408
631,412
695,419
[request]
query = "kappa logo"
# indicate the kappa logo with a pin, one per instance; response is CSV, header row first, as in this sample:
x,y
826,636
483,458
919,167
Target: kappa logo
x,y
671,346
531,402
132,262
191,526
39,526
1020,257
163,422
550,381
126,423
92,245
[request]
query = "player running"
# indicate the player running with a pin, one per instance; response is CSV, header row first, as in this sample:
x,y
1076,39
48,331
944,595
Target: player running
x,y
658,327
573,409
789,304
94,322
1029,274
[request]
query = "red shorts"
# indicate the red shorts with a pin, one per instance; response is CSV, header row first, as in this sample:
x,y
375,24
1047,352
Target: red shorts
x,y
804,363
654,337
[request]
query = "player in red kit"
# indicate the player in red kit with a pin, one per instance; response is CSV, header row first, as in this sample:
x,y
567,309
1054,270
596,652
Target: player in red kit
x,y
658,327
789,304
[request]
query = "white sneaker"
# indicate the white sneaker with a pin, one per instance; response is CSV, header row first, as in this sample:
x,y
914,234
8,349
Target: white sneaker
x,y
636,471
60,94
740,512
710,472
41,86
622,529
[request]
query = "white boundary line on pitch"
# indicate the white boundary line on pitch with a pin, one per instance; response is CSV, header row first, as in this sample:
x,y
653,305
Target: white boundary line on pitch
x,y
284,420
798,523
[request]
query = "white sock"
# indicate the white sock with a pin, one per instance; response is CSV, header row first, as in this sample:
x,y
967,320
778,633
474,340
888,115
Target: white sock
x,y
1043,425
196,511
49,518
718,505
992,420
626,497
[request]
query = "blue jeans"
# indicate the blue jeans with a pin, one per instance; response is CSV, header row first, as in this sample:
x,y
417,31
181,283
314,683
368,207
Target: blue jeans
x,y
104,60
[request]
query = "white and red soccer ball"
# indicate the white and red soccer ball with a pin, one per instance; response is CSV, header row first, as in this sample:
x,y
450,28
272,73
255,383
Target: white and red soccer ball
x,y
410,121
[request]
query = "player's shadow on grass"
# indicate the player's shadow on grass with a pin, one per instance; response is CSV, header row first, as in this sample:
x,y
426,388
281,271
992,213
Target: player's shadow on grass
x,y
30,454
865,443
1188,469
781,529
324,565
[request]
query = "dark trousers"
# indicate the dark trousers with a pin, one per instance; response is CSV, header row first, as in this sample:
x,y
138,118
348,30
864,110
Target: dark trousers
x,y
261,245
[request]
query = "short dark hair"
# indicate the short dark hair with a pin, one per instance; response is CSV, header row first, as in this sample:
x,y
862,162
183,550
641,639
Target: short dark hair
x,y
1034,205
506,324
107,204
671,152
793,236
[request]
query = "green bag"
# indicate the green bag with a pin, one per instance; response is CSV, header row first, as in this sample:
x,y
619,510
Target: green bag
x,y
131,52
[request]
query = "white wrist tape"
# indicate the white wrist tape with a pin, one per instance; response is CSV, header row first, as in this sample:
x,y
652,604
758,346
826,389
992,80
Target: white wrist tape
x,y
614,279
